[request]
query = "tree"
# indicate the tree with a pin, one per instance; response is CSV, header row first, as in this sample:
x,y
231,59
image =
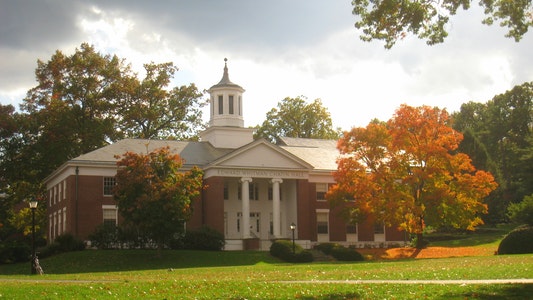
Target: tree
x,y
80,103
407,172
148,110
499,138
154,195
295,118
391,20
522,212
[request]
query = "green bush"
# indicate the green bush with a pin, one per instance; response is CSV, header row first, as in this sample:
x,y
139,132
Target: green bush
x,y
14,251
327,248
203,239
283,249
67,242
105,236
346,254
521,212
63,243
518,241
339,252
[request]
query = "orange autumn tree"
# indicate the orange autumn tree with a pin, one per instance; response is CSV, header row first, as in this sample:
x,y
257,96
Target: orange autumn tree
x,y
407,173
153,195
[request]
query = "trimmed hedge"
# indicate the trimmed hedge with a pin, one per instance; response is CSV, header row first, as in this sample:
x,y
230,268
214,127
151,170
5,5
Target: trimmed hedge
x,y
327,248
518,241
63,243
204,239
339,252
282,249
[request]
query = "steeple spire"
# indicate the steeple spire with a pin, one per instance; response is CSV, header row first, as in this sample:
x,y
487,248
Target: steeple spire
x,y
225,82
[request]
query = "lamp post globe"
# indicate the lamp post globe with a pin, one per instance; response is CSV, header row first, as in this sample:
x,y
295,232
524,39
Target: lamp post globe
x,y
293,227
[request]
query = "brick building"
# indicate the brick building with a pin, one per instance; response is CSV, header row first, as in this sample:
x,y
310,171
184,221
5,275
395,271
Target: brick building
x,y
256,189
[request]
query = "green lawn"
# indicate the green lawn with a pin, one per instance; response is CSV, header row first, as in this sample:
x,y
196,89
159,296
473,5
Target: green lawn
x,y
256,275
133,274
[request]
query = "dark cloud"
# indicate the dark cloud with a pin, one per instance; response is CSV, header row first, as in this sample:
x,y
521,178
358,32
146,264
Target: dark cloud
x,y
31,24
270,24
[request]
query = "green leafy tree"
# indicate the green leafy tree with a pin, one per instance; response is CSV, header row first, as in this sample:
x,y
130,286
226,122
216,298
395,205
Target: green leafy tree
x,y
294,117
154,195
407,173
393,20
499,138
80,103
522,212
71,111
149,110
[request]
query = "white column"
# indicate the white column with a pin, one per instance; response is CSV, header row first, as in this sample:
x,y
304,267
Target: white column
x,y
245,191
276,213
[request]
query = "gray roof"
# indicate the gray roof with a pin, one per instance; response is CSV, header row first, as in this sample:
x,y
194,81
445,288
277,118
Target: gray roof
x,y
321,154
193,153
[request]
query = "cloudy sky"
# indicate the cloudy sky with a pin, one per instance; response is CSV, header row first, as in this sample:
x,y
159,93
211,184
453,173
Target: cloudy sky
x,y
275,49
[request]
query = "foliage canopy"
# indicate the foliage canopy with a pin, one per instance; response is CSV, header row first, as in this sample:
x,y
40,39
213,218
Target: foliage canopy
x,y
407,172
293,117
154,195
391,20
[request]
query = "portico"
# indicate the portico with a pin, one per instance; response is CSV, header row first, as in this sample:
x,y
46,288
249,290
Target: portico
x,y
259,191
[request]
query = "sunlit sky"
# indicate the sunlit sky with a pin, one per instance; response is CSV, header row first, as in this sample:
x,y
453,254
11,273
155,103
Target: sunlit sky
x,y
275,49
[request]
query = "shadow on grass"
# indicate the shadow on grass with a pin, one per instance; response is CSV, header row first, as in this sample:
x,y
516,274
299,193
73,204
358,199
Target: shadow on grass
x,y
92,261
509,291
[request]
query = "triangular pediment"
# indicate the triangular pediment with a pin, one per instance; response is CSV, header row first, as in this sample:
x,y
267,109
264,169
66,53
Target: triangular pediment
x,y
261,154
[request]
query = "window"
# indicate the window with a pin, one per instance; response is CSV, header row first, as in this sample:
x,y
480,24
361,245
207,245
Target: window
x,y
220,104
109,184
226,223
64,219
110,214
59,221
230,104
322,223
321,190
226,191
351,228
271,224
254,191
240,106
379,228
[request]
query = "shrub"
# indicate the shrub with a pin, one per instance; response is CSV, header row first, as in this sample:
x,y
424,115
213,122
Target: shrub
x,y
14,251
518,241
339,252
327,248
203,239
521,212
63,243
105,236
67,242
346,254
283,249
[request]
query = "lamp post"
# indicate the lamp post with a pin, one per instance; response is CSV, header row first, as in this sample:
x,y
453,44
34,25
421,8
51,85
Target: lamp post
x,y
293,227
33,206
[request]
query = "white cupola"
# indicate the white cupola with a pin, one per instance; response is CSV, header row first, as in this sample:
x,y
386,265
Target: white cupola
x,y
226,123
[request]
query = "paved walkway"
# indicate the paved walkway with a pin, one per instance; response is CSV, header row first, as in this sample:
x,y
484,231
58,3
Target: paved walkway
x,y
416,281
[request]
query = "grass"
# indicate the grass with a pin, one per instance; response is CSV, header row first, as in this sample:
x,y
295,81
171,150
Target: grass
x,y
482,237
121,274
